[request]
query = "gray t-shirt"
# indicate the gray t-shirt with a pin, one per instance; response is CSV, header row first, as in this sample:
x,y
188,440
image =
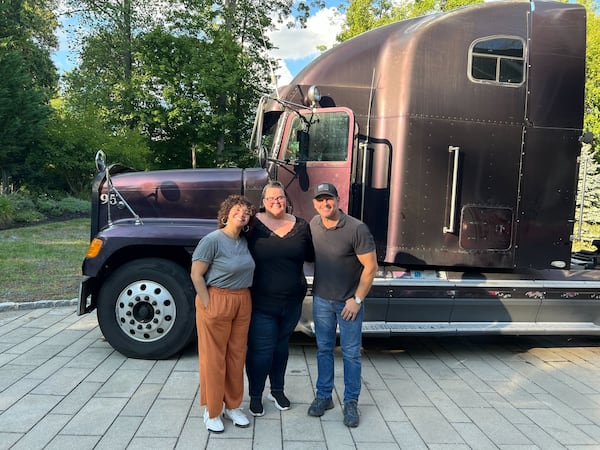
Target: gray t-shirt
x,y
231,265
337,269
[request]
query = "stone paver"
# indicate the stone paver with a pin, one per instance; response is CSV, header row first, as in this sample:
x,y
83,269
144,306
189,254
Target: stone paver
x,y
62,386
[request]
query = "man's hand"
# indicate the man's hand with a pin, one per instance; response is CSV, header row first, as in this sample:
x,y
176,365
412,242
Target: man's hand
x,y
351,309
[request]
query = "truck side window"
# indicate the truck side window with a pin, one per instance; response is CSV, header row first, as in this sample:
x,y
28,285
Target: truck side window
x,y
499,59
328,137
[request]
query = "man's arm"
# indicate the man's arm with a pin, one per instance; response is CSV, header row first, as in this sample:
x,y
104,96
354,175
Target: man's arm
x,y
369,262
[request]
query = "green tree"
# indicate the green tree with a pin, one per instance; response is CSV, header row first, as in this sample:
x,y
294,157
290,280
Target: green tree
x,y
188,81
28,78
29,27
64,160
108,38
176,110
234,73
22,114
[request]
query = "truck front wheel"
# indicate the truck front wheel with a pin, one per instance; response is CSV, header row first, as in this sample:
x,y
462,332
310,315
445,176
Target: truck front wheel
x,y
146,309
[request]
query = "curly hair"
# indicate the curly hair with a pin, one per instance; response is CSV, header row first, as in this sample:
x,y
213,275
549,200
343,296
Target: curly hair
x,y
230,202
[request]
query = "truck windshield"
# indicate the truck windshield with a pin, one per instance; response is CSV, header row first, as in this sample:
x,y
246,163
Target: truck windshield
x,y
328,137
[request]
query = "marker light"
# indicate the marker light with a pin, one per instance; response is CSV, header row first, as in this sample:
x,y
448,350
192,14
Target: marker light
x,y
94,248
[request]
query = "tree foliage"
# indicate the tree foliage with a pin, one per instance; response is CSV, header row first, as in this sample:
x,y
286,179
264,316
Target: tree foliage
x,y
64,160
28,78
22,114
232,74
186,74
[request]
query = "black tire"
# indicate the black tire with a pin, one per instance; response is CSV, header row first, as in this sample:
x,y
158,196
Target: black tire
x,y
146,309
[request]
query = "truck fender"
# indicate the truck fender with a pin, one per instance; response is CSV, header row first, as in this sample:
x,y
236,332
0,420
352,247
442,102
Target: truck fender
x,y
146,309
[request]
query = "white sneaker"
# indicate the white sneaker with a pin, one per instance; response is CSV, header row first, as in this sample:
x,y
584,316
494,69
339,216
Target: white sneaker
x,y
238,418
215,424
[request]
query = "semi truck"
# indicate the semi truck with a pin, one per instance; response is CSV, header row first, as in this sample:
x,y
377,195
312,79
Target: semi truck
x,y
456,137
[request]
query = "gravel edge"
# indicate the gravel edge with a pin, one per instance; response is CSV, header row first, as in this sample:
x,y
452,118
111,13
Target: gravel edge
x,y
13,306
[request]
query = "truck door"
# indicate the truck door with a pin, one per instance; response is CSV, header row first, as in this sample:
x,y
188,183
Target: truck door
x,y
318,146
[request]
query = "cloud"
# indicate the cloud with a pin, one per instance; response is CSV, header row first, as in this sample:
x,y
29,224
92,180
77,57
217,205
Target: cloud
x,y
301,45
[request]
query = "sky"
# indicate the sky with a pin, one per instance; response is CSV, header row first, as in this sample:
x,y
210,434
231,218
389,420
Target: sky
x,y
295,47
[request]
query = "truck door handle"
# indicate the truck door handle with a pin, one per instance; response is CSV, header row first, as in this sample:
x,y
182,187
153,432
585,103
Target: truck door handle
x,y
450,227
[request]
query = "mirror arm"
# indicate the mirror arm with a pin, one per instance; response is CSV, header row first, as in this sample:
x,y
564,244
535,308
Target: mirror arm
x,y
282,164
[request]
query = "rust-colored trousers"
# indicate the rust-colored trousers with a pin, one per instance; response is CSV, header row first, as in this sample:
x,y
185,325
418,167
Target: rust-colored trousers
x,y
222,339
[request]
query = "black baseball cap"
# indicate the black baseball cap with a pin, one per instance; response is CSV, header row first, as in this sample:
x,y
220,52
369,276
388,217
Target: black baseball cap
x,y
325,189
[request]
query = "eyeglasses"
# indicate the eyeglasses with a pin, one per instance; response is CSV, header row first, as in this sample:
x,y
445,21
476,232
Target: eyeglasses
x,y
275,199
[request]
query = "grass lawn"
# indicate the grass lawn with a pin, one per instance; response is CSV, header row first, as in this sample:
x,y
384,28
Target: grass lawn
x,y
42,262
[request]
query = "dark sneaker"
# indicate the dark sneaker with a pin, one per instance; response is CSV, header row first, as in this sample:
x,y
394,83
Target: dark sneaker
x,y
319,405
256,407
351,414
281,401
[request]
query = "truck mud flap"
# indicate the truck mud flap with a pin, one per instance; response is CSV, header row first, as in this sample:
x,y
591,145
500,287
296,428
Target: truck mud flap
x,y
84,292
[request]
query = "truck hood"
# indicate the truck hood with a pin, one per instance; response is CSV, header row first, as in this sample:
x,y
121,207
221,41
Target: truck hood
x,y
186,193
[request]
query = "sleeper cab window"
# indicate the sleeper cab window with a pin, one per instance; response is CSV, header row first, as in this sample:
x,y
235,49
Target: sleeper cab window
x,y
497,60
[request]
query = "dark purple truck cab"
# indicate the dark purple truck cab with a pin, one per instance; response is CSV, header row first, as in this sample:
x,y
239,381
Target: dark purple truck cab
x,y
454,136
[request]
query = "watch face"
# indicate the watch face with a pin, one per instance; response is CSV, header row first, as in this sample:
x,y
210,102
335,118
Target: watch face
x,y
358,300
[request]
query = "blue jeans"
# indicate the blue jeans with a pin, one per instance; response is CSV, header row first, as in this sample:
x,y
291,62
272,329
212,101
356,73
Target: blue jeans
x,y
327,316
268,347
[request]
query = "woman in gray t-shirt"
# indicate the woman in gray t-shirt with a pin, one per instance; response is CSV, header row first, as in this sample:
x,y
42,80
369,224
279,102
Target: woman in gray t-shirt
x,y
222,272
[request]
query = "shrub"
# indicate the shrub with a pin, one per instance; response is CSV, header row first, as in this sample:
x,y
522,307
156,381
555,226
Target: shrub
x,y
20,208
49,206
73,205
7,212
29,216
66,206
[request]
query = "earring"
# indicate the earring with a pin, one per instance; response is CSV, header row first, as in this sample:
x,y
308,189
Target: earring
x,y
246,228
224,221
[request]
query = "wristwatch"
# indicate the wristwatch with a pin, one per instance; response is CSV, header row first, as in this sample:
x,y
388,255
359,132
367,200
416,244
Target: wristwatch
x,y
357,299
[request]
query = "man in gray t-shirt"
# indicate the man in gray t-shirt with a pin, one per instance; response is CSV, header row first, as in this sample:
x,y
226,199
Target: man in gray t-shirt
x,y
345,266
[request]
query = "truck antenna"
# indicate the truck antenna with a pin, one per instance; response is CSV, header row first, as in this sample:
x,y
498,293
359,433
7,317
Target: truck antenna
x,y
365,146
262,36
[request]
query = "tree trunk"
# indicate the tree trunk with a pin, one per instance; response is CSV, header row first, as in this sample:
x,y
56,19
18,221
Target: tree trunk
x,y
5,177
127,62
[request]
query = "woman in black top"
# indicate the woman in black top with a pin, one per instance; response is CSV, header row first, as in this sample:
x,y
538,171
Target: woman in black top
x,y
279,243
